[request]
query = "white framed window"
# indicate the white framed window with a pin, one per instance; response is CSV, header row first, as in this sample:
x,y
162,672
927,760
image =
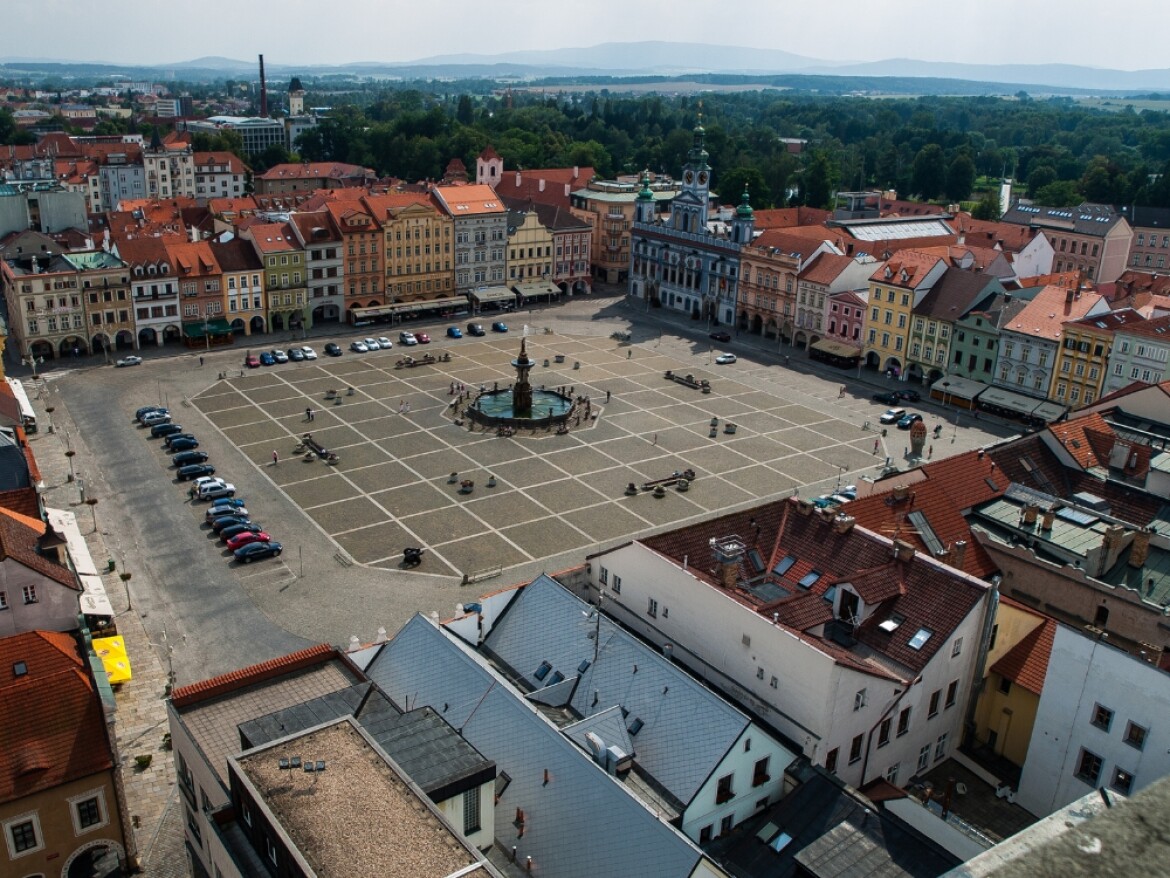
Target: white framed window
x,y
23,835
29,592
88,811
859,699
652,608
471,821
957,648
3,600
603,575
617,586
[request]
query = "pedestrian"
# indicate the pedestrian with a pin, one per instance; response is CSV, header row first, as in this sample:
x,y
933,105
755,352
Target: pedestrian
x,y
930,452
876,445
841,395
408,408
401,406
629,353
655,442
786,359
275,458
191,494
308,414
607,396
451,391
201,361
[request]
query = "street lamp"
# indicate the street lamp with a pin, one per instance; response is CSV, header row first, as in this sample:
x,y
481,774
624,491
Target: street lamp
x,y
49,411
92,502
70,455
207,333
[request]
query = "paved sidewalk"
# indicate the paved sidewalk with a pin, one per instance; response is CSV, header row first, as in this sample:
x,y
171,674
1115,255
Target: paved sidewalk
x,y
141,718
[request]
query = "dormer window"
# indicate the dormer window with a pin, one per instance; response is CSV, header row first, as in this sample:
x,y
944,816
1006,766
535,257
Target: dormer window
x,y
919,639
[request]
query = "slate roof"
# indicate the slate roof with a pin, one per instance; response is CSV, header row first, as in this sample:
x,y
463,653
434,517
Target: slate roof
x,y
1086,218
61,734
581,823
955,293
687,729
1026,663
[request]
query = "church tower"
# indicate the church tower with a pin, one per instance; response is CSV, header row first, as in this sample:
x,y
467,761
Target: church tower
x,y
644,202
744,223
296,97
689,210
489,168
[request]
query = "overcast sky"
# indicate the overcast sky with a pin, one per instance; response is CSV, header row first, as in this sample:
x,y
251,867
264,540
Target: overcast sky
x,y
1121,34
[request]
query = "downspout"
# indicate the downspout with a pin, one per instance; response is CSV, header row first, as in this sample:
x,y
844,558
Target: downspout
x,y
980,680
889,710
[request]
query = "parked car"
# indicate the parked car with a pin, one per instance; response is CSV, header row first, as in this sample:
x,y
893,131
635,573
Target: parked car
x,y
841,499
908,395
279,355
826,502
720,335
232,505
475,329
407,338
147,409
161,416
358,347
892,416
213,491
296,355
236,529
371,344
160,430
266,359
422,338
186,458
454,332
222,522
887,397
181,442
333,350
908,421
207,480
499,326
849,492
384,343
252,361
194,470
725,359
253,551
129,361
309,353
245,537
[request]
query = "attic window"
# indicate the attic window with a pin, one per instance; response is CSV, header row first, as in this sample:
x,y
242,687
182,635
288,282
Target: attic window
x,y
502,781
555,678
635,726
583,667
784,566
919,639
809,579
19,669
830,594
893,623
542,671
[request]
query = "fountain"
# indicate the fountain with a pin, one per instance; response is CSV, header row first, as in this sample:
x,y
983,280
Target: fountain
x,y
521,407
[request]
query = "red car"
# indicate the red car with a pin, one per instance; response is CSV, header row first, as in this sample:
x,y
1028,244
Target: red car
x,y
422,338
252,361
247,537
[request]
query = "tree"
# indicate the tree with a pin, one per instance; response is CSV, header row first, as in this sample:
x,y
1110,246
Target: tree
x,y
819,179
988,207
1062,193
930,172
960,178
732,185
1040,177
463,113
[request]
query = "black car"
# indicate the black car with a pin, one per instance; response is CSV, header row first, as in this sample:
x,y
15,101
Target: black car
x,y
908,395
170,440
185,458
888,397
182,442
296,355
475,329
236,529
249,553
195,470
908,421
164,430
721,336
228,520
332,350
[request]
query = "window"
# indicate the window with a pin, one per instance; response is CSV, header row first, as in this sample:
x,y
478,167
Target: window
x,y
89,812
957,648
940,747
760,772
603,576
934,699
859,699
23,837
952,691
705,834
1005,685
652,608
727,824
892,772
884,732
3,600
724,792
1102,717
471,811
855,749
923,758
1089,767
831,760
904,722
617,586
30,594
775,683
919,639
1122,781
1135,735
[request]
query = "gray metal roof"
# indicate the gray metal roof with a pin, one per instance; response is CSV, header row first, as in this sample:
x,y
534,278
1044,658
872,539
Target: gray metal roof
x,y
609,725
686,729
581,822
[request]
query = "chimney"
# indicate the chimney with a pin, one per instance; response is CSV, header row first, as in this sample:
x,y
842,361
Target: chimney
x,y
903,551
958,553
804,507
729,574
576,171
263,90
568,189
844,523
1031,510
1068,297
1140,549
901,492
1048,519
519,180
540,185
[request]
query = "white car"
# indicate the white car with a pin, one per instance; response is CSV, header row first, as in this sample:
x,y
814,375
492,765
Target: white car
x,y
207,480
384,343
130,361
212,491
891,416
725,359
358,347
309,353
372,344
407,338
280,356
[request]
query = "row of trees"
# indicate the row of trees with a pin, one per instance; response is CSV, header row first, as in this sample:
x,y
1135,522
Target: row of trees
x,y
928,147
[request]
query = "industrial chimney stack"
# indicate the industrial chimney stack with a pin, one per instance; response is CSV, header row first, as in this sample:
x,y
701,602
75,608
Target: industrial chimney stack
x,y
263,91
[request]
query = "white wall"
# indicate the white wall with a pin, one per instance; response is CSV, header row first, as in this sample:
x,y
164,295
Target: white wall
x,y
1082,673
813,699
205,781
452,809
55,608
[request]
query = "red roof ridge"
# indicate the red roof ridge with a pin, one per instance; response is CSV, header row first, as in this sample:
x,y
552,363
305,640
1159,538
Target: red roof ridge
x,y
205,690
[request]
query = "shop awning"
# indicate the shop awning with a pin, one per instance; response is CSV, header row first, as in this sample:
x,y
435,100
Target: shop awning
x,y
94,601
408,307
112,652
836,348
1008,401
1049,412
214,328
539,288
493,294
956,387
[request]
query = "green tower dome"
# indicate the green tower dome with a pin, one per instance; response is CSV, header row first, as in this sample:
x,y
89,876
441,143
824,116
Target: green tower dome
x,y
744,211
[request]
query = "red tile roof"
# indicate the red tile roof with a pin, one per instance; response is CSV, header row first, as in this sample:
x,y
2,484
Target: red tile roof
x,y
205,690
906,268
61,734
1008,236
1026,663
544,185
317,170
470,200
825,269
790,217
803,243
1087,439
18,540
1045,315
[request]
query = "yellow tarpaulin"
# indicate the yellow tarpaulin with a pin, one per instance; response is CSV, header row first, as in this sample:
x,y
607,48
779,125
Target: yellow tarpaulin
x,y
112,652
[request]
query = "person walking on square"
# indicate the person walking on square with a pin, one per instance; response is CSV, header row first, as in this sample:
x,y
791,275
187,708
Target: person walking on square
x,y
275,458
876,445
607,396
